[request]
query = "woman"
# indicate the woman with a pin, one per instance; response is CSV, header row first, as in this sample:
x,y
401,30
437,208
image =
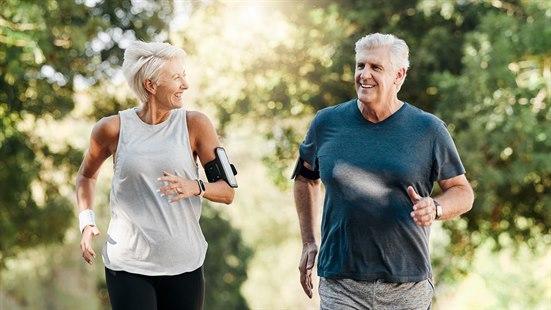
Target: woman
x,y
155,249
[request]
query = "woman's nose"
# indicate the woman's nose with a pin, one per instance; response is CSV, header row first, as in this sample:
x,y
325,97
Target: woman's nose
x,y
184,84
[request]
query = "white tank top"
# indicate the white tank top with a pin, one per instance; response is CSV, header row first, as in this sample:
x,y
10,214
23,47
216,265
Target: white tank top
x,y
147,234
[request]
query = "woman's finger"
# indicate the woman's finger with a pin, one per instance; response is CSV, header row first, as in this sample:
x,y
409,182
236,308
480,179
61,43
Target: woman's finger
x,y
177,197
91,251
168,178
171,187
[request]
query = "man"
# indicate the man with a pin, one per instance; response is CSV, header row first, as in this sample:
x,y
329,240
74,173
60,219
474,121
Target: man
x,y
378,158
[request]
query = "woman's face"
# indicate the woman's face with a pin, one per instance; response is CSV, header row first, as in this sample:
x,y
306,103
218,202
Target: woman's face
x,y
171,84
375,77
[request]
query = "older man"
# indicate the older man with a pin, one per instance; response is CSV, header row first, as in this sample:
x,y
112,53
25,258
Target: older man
x,y
378,158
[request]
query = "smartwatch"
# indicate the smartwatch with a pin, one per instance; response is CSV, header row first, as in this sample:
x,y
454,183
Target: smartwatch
x,y
439,210
201,187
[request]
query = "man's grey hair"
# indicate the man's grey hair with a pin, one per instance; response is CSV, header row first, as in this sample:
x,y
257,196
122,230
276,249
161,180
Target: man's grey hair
x,y
143,61
399,51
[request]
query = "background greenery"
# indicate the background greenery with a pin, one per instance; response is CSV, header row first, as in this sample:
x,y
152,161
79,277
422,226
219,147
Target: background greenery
x,y
261,69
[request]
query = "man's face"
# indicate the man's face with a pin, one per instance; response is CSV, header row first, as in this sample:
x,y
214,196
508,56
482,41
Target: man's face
x,y
172,83
375,78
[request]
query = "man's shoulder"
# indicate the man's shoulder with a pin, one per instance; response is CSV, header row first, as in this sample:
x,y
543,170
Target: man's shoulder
x,y
424,118
329,113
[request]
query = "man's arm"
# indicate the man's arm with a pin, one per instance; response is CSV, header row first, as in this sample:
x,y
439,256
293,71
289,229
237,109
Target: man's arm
x,y
457,198
307,194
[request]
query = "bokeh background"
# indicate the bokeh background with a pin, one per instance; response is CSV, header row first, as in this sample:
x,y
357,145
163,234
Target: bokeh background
x,y
260,70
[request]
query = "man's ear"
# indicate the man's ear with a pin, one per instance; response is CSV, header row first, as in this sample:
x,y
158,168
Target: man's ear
x,y
400,76
150,86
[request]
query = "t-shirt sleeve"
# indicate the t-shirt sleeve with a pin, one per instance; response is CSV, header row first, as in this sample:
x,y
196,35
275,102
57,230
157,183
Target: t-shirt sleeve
x,y
308,149
446,161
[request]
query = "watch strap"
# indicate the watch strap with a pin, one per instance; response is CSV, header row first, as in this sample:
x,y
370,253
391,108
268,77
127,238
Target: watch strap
x,y
438,207
201,186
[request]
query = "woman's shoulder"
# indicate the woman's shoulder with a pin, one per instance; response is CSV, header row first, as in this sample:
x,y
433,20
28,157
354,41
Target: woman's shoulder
x,y
197,119
107,127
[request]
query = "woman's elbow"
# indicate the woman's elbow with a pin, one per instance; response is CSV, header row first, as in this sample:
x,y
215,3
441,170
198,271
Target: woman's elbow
x,y
229,196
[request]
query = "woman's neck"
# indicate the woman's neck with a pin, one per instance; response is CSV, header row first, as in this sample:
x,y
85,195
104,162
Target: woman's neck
x,y
152,114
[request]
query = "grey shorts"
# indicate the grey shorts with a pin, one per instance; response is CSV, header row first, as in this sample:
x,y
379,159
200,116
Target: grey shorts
x,y
351,294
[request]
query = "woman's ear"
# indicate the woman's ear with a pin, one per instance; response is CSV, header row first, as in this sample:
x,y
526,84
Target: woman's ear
x,y
150,86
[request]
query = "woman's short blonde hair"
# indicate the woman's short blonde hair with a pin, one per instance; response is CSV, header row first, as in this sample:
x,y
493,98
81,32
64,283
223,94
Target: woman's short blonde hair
x,y
143,61
399,51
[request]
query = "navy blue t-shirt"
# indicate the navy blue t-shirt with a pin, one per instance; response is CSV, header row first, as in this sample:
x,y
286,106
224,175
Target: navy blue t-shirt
x,y
367,231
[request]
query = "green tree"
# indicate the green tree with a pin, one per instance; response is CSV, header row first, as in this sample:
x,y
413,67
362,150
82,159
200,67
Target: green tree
x,y
226,262
499,107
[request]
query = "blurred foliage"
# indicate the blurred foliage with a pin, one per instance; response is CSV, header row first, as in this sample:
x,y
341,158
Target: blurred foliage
x,y
482,66
226,262
49,50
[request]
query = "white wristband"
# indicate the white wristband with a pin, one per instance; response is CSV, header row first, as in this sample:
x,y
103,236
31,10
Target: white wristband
x,y
85,218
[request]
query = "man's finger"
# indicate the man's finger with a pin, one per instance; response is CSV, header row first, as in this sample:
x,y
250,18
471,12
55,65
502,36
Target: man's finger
x,y
424,207
305,285
413,196
310,261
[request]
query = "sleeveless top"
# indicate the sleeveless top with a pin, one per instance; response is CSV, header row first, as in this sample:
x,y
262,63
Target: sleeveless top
x,y
147,234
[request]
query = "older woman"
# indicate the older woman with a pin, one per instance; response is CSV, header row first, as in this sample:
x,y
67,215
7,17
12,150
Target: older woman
x,y
155,248
378,157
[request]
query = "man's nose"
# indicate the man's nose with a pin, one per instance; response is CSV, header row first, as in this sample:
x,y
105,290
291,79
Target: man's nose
x,y
365,74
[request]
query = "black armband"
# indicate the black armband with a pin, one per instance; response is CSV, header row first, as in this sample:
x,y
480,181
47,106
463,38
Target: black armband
x,y
220,168
301,170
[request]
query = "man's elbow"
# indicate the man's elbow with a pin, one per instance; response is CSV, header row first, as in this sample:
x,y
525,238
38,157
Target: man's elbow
x,y
469,193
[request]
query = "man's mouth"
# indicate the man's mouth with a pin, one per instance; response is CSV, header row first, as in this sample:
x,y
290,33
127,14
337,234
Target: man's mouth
x,y
367,85
178,95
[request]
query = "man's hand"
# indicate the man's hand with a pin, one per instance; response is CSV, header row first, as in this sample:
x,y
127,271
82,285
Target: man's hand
x,y
86,243
424,210
307,260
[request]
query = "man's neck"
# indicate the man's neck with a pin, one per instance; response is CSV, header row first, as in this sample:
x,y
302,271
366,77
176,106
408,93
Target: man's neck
x,y
378,112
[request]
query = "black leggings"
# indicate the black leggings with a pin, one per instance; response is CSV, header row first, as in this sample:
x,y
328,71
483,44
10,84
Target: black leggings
x,y
136,291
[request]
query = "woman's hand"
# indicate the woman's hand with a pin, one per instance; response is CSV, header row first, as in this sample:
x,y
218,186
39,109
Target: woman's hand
x,y
88,234
178,187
